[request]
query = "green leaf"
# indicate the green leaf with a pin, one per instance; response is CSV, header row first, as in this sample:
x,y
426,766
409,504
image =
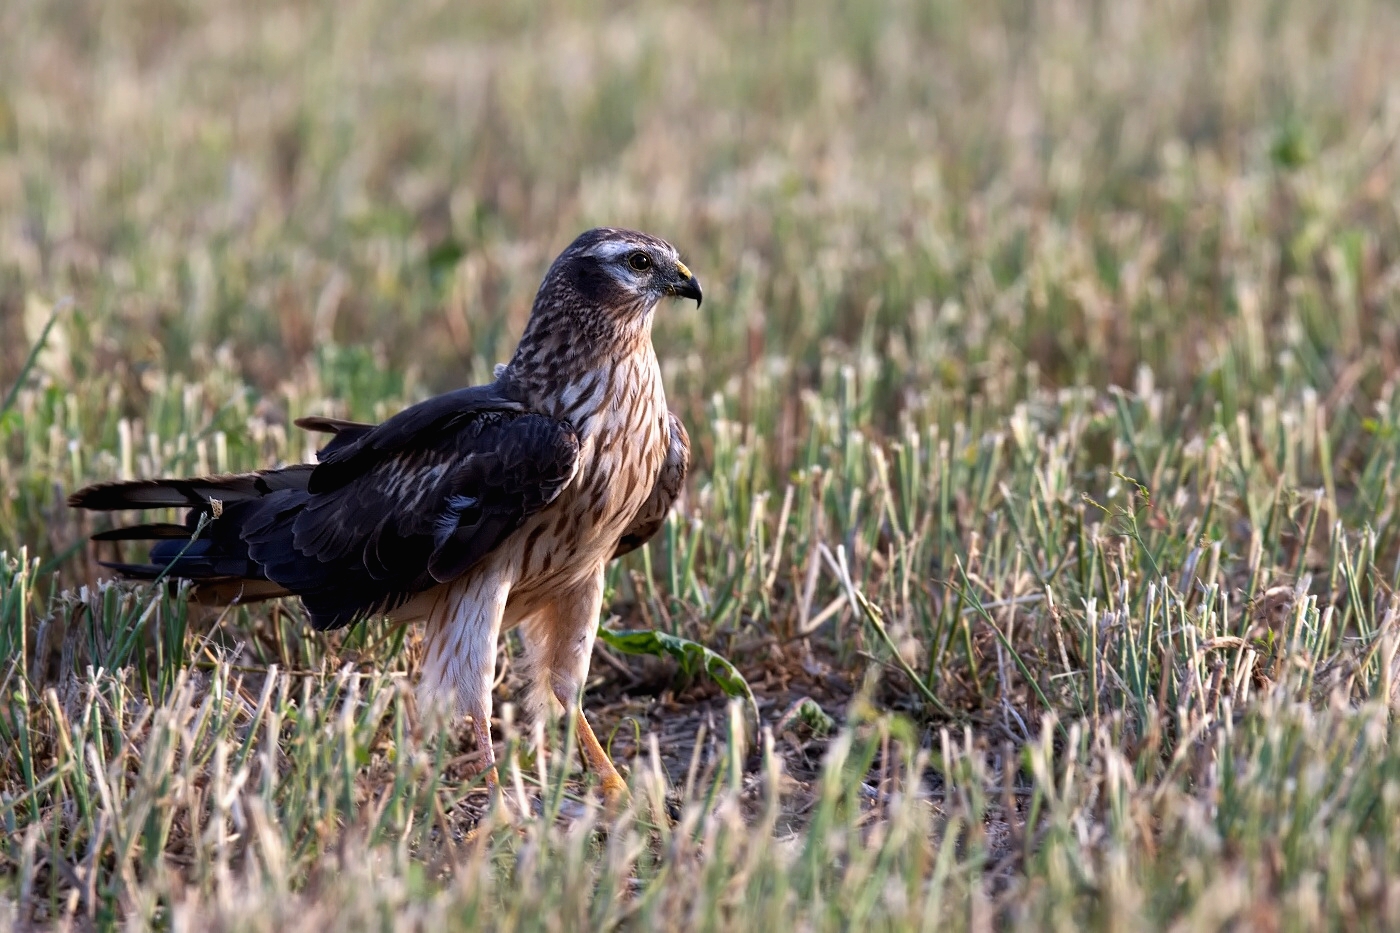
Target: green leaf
x,y
692,656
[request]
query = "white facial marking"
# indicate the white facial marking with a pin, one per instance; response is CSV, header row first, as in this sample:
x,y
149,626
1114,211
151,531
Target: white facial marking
x,y
612,249
613,254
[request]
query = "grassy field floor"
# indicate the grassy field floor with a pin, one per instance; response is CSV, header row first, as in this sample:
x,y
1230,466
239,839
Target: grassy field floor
x,y
1043,524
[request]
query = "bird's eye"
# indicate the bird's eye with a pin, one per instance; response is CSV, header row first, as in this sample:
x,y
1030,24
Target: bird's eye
x,y
641,262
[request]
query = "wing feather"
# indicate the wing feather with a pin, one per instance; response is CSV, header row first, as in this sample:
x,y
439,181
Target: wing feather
x,y
341,462
344,432
391,509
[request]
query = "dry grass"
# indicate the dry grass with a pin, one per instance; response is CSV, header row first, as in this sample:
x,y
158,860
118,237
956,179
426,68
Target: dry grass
x,y
1044,399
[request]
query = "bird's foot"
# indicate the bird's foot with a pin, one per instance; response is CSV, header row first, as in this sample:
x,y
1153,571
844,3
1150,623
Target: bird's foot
x,y
613,787
614,790
481,727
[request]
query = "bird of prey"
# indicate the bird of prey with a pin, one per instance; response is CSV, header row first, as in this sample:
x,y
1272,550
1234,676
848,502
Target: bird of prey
x,y
475,511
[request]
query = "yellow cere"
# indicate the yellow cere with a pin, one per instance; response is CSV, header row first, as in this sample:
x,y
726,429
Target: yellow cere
x,y
685,273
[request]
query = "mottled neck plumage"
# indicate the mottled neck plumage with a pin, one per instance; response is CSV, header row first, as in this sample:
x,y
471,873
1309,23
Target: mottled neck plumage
x,y
569,338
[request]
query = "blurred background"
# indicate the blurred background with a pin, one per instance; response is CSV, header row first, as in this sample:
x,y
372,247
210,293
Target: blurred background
x,y
284,179
930,210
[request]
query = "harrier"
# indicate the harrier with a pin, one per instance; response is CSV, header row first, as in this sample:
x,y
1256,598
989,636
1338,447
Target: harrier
x,y
475,511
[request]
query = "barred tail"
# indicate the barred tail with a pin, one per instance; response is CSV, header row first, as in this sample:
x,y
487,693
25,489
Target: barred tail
x,y
208,547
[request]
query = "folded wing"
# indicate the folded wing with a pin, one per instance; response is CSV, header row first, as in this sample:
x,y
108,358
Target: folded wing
x,y
391,510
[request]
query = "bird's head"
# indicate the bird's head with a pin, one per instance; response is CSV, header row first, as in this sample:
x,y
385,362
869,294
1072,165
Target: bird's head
x,y
596,302
620,273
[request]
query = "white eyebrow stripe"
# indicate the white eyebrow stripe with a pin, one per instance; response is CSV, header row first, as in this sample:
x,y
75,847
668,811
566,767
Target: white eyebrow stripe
x,y
611,249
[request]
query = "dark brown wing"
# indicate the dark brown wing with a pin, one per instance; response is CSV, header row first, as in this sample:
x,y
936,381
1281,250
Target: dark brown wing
x,y
336,426
669,482
400,507
354,449
345,432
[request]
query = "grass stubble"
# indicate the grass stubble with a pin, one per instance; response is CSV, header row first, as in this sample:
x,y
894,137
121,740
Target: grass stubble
x,y
1046,485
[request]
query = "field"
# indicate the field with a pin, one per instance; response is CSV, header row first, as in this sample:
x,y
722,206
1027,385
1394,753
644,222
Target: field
x,y
1043,522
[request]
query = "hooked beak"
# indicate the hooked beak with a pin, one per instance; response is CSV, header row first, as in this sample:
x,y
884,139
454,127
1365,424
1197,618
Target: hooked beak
x,y
687,285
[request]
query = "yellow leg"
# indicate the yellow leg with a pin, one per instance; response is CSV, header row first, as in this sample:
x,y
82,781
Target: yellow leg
x,y
614,787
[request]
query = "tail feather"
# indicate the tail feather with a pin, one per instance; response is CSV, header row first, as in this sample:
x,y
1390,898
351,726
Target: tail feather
x,y
189,493
221,592
134,571
209,547
155,531
238,540
211,591
183,568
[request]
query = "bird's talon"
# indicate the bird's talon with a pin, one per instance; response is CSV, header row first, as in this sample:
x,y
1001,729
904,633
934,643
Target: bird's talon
x,y
614,790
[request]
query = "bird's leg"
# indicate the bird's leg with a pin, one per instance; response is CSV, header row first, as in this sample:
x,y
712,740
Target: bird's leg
x,y
559,640
464,625
481,728
613,786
